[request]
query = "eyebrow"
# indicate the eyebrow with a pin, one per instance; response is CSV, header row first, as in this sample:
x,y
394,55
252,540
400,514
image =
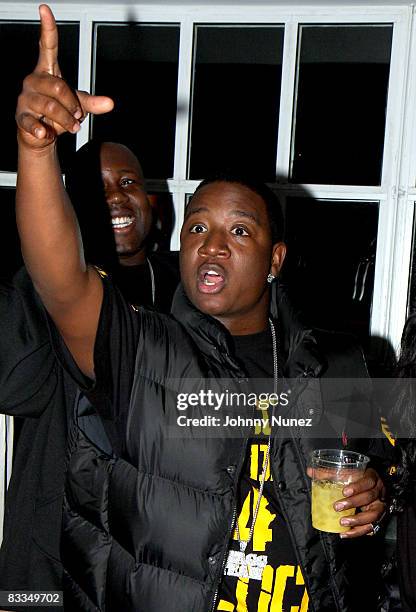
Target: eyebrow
x,y
132,171
235,213
123,171
245,213
191,210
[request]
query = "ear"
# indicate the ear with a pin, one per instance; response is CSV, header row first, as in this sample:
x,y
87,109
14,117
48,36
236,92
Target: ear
x,y
152,197
278,257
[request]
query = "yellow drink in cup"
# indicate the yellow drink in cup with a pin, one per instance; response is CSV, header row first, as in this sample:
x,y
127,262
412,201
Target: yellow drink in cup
x,y
332,470
324,494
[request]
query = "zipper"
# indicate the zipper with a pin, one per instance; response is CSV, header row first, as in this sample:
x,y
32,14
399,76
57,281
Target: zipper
x,y
332,583
234,517
300,456
214,601
289,528
230,531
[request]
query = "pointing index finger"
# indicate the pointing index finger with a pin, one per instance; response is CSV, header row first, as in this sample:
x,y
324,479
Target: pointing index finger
x,y
48,43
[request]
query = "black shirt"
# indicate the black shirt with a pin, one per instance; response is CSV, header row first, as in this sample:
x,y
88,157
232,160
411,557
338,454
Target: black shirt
x,y
406,557
32,386
151,284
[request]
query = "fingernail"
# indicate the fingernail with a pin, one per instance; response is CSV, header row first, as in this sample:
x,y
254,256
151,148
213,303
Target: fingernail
x,y
78,114
339,506
345,521
348,492
76,127
343,536
39,133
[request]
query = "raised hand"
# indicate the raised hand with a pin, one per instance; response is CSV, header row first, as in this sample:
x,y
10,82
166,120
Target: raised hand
x,y
47,106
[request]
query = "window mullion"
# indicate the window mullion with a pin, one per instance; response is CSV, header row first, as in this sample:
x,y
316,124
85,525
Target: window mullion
x,y
396,216
183,114
183,118
287,101
8,179
84,70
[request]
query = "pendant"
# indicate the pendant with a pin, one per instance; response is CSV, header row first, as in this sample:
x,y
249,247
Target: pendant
x,y
249,566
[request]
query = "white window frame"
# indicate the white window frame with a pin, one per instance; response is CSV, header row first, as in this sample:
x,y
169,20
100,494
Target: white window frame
x,y
6,457
396,194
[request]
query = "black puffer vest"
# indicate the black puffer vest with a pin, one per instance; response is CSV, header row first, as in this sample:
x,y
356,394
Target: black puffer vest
x,y
149,531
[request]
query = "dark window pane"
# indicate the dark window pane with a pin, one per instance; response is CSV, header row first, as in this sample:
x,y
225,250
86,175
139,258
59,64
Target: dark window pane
x,y
15,66
137,65
341,104
236,98
411,298
164,215
330,263
10,256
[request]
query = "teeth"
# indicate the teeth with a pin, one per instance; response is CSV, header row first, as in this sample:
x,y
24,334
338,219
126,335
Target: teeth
x,y
120,222
207,275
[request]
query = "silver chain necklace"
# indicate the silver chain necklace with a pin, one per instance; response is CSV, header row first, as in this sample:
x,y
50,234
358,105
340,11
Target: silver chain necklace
x,y
244,543
152,280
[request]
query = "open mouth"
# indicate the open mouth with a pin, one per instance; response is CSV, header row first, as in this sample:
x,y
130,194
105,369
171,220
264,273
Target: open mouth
x,y
119,223
210,280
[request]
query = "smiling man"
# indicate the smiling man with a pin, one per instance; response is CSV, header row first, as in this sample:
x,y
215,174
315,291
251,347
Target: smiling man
x,y
130,210
106,184
196,523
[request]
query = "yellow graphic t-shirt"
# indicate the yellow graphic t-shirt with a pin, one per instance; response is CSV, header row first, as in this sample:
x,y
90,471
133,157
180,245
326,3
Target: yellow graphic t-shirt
x,y
266,577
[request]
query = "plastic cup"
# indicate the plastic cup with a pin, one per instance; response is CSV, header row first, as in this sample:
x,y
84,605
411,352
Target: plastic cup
x,y
332,470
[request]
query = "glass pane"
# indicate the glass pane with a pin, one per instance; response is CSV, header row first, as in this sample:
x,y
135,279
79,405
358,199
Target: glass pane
x,y
343,77
236,98
10,256
17,66
188,197
137,65
411,298
330,262
164,214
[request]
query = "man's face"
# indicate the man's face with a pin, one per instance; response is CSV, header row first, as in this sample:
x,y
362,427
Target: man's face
x,y
130,209
226,255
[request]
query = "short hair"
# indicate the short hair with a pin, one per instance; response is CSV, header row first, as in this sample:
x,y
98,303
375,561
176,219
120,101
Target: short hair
x,y
85,188
271,201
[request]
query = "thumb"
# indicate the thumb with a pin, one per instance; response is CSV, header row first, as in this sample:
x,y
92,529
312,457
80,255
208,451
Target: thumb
x,y
96,105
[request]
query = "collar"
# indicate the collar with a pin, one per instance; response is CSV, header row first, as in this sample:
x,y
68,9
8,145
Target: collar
x,y
298,343
210,336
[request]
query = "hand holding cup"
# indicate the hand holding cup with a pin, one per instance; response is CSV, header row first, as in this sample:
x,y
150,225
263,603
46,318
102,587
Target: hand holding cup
x,y
337,473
